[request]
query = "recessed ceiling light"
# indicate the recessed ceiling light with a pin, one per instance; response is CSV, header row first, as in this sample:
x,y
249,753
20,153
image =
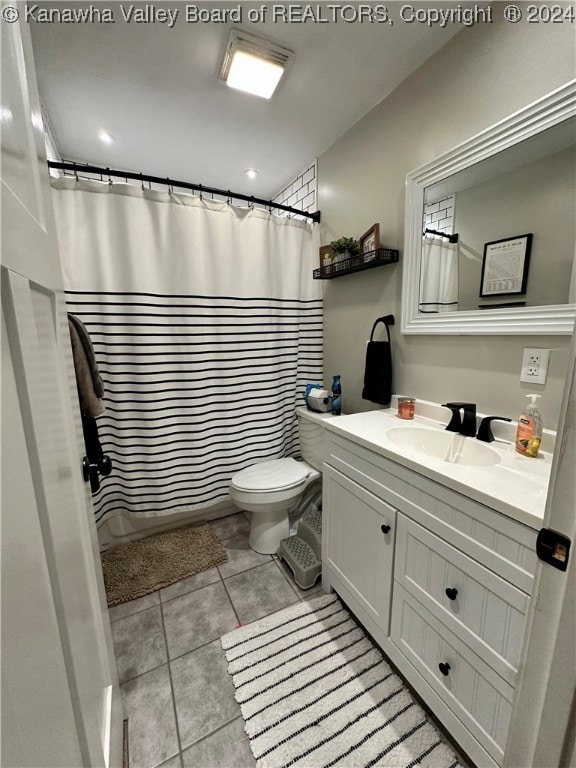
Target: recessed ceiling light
x,y
106,137
251,173
253,64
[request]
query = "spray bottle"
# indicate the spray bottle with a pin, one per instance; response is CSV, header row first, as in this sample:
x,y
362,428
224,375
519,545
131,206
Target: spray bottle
x,y
529,430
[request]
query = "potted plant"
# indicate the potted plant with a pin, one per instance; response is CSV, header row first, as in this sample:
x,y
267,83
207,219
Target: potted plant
x,y
344,248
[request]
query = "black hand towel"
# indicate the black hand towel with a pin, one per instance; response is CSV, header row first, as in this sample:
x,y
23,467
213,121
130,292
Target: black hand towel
x,y
378,372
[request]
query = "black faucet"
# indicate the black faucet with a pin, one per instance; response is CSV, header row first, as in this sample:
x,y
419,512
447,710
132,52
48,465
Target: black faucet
x,y
464,426
485,430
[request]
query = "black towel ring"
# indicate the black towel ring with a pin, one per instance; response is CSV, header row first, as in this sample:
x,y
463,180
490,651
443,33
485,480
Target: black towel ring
x,y
388,320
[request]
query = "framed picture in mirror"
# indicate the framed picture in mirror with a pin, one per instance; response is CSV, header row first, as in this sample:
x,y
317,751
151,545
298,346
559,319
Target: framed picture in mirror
x,y
505,266
326,255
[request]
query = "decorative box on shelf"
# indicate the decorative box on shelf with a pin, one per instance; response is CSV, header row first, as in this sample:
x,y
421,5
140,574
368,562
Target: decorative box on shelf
x,y
366,260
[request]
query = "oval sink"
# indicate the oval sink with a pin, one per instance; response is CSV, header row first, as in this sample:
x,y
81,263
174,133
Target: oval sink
x,y
446,446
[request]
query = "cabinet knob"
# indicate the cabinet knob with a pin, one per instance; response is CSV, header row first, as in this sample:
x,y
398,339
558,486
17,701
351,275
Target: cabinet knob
x,y
451,593
444,668
385,528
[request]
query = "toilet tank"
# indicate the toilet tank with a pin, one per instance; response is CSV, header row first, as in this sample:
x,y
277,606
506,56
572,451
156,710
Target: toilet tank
x,y
311,434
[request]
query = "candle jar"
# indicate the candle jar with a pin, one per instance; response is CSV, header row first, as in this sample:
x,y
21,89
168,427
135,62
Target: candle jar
x,y
406,407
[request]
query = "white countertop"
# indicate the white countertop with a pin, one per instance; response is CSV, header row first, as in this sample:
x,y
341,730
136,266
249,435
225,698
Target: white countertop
x,y
517,486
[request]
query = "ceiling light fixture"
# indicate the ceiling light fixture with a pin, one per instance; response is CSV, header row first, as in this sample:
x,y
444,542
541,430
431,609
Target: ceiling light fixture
x,y
251,173
106,137
253,64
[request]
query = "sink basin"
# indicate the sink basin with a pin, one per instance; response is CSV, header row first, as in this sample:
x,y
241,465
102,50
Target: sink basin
x,y
446,446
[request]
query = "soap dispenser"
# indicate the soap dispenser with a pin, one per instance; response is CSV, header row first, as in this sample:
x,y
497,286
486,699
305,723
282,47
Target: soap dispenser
x,y
529,429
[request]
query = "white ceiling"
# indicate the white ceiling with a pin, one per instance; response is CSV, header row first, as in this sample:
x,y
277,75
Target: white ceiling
x,y
156,90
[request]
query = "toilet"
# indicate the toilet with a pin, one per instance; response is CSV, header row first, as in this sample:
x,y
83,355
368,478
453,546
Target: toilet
x,y
273,491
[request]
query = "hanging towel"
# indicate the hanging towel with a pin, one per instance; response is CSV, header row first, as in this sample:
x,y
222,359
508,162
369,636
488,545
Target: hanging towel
x,y
88,381
89,353
438,276
378,371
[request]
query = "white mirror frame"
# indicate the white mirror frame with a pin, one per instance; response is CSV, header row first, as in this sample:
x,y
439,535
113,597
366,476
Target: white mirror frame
x,y
554,319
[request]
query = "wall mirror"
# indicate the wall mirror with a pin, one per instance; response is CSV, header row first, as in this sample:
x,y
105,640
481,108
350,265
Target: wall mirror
x,y
509,193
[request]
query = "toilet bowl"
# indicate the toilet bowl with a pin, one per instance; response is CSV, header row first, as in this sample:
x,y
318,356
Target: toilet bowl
x,y
272,490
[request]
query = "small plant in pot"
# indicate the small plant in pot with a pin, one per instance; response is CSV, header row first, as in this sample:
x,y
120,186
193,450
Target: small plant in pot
x,y
344,248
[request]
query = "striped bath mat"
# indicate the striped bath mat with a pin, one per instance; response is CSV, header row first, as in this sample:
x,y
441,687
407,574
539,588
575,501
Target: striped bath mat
x,y
315,692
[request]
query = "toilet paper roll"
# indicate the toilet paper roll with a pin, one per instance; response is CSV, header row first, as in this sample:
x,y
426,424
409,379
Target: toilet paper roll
x,y
319,394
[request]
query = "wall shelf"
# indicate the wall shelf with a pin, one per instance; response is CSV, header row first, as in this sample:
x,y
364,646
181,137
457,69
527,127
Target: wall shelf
x,y
362,261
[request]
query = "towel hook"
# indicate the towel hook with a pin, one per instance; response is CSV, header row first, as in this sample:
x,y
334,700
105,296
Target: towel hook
x,y
388,320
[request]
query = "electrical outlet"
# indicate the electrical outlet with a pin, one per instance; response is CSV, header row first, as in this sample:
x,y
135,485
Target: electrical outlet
x,y
535,365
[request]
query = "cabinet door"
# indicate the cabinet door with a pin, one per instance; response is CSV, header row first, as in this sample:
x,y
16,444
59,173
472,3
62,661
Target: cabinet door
x,y
358,543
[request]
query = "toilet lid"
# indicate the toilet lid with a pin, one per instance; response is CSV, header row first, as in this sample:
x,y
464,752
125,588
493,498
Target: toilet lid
x,y
271,475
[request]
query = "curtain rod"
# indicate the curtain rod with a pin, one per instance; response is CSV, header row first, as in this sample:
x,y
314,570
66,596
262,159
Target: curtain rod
x,y
450,238
85,168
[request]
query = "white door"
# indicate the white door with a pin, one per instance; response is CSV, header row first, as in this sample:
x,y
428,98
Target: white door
x,y
60,695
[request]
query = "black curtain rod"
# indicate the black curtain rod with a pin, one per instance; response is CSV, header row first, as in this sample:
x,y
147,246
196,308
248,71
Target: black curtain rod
x,y
450,238
77,168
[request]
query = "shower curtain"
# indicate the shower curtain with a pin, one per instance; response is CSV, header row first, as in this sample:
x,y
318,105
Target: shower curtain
x,y
438,276
206,325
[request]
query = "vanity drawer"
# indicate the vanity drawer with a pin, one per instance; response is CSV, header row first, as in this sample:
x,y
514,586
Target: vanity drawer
x,y
503,545
476,694
482,609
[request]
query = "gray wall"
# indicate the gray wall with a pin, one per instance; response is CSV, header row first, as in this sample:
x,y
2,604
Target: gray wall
x,y
481,76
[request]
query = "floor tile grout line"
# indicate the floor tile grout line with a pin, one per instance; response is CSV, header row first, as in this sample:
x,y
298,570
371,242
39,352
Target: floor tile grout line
x,y
208,735
204,586
172,688
140,610
231,603
277,561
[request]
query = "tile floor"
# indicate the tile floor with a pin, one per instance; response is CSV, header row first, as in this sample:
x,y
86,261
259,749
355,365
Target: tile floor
x,y
174,681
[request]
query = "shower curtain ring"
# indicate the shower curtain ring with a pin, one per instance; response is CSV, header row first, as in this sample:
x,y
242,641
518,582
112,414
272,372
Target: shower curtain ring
x,y
229,200
109,177
200,189
76,173
142,181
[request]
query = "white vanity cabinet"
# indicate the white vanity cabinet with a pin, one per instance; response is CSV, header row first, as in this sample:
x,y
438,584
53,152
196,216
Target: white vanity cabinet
x,y
445,591
359,544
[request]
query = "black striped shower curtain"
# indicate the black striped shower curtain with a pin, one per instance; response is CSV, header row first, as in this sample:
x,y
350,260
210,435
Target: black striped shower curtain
x,y
206,325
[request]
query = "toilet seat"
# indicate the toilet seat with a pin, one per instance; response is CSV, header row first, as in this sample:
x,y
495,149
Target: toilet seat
x,y
271,476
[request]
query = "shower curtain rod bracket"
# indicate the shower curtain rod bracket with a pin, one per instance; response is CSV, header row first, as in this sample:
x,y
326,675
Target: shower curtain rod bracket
x,y
171,183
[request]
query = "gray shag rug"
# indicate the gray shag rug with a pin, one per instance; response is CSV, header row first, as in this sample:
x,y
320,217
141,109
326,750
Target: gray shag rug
x,y
315,692
135,569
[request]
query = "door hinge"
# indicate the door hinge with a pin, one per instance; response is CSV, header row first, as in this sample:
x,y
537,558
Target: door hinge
x,y
553,548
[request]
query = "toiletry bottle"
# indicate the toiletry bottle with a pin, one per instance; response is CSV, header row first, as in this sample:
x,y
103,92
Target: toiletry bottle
x,y
336,396
529,430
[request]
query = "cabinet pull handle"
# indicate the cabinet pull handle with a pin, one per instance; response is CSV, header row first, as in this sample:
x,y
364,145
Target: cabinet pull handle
x,y
385,528
451,593
444,668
